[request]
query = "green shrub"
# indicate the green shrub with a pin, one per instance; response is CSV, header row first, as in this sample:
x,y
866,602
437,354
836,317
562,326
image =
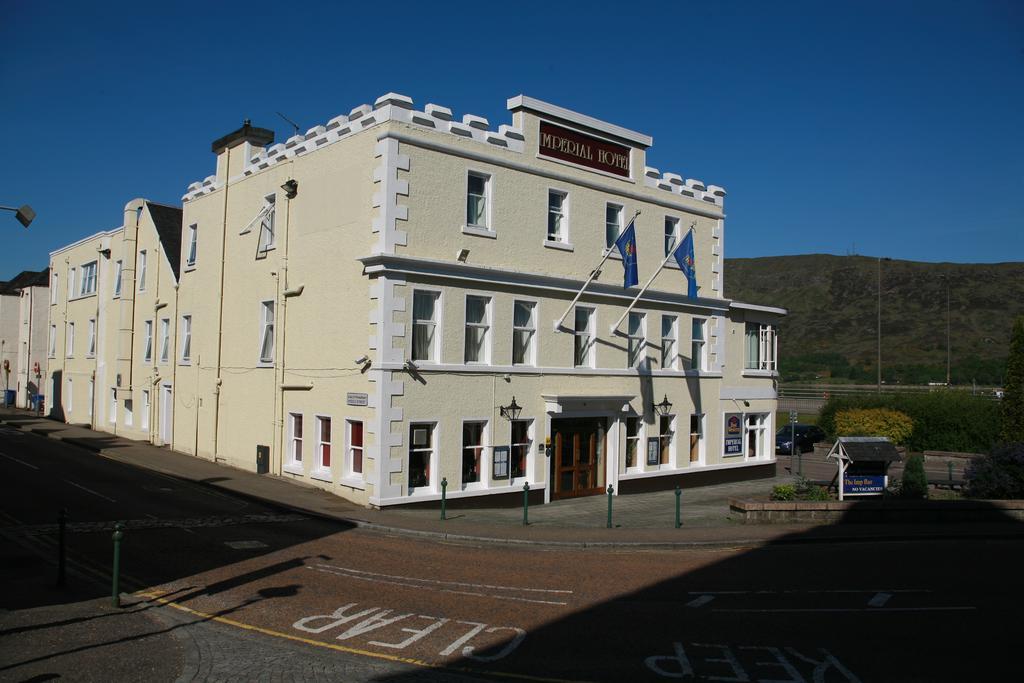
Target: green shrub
x,y
915,484
784,492
1000,474
874,422
943,420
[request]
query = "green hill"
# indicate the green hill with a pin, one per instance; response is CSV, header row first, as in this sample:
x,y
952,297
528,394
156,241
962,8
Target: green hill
x,y
832,327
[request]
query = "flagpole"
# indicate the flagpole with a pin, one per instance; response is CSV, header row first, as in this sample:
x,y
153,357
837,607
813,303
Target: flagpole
x,y
644,289
593,276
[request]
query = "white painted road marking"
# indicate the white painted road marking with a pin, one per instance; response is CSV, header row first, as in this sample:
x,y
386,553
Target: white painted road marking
x,y
800,590
879,599
455,587
709,661
702,600
79,486
245,545
888,610
20,462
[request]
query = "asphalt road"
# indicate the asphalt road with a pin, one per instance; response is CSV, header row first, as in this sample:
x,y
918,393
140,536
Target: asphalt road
x,y
259,590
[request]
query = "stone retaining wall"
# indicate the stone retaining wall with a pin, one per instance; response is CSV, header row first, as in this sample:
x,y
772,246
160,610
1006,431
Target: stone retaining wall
x,y
860,511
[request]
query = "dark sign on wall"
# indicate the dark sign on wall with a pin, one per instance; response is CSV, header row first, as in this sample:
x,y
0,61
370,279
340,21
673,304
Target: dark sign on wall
x,y
569,145
733,436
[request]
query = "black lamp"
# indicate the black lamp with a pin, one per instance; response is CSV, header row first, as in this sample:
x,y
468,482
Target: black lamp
x,y
663,408
511,411
291,188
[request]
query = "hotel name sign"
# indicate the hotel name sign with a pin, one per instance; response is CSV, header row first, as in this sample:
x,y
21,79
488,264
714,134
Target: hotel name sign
x,y
569,145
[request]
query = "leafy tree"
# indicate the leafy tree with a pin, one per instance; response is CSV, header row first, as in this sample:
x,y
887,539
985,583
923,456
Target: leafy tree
x,y
915,484
1013,399
1000,474
874,422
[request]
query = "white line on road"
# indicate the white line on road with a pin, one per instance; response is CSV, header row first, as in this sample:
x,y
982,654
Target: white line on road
x,y
797,590
410,582
702,600
879,599
449,583
854,609
79,486
20,462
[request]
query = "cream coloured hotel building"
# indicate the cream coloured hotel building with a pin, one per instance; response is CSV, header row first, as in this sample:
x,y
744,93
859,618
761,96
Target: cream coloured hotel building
x,y
373,307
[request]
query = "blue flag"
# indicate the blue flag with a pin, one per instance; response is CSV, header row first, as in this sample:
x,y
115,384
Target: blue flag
x,y
684,257
627,247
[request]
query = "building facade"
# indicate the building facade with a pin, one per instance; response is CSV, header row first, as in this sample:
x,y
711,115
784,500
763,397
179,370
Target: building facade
x,y
23,315
390,304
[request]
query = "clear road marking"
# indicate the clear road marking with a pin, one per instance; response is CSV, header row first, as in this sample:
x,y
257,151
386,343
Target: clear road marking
x,y
155,596
245,545
890,610
410,582
879,599
79,486
20,462
700,601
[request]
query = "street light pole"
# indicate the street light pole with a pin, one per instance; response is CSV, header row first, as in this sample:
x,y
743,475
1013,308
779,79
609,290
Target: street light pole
x,y
947,331
879,324
24,213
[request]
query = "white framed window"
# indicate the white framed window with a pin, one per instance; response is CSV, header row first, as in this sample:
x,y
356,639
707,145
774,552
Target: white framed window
x,y
267,332
128,412
144,418
90,348
165,339
354,456
521,448
295,439
71,283
267,237
88,279
147,341
635,334
69,342
192,245
54,286
118,275
113,406
425,339
756,432
671,234
666,434
323,443
634,439
558,216
70,402
472,452
421,454
583,340
478,200
53,341
698,346
524,333
142,271
669,334
478,329
612,224
696,438
186,338
761,347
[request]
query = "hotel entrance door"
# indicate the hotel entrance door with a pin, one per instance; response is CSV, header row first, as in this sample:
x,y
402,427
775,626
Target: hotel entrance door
x,y
579,457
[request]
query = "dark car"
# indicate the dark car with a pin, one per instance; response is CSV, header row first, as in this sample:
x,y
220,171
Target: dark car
x,y
806,437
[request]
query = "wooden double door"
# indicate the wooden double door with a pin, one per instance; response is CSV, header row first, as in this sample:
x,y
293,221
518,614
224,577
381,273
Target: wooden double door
x,y
579,456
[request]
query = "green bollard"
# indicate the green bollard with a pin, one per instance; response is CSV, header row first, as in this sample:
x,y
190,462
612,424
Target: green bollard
x,y
526,504
611,490
799,461
118,535
444,489
62,522
679,495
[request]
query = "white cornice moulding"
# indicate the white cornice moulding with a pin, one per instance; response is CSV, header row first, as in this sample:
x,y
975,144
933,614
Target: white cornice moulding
x,y
525,102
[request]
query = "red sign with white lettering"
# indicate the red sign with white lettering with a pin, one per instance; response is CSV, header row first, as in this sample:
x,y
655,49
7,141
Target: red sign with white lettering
x,y
575,147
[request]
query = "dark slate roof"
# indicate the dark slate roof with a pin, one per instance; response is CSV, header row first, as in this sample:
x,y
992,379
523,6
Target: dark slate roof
x,y
26,278
257,136
167,220
868,448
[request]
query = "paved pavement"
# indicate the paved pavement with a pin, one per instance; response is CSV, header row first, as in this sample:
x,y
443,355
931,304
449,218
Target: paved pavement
x,y
638,519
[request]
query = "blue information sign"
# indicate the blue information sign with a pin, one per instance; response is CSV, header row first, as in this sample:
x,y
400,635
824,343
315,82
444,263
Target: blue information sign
x,y
863,484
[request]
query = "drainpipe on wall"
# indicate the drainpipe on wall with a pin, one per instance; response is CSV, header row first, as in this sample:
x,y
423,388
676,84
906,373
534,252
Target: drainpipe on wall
x,y
284,293
220,309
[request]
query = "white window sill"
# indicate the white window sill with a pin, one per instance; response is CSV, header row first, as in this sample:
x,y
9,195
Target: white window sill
x,y
188,268
116,296
78,297
185,362
353,482
321,474
474,486
264,364
294,468
564,246
759,373
479,231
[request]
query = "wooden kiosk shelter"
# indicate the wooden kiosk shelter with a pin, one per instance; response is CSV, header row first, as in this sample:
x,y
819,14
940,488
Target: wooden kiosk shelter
x,y
863,463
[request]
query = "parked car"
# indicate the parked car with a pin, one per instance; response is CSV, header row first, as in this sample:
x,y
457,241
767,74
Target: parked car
x,y
806,437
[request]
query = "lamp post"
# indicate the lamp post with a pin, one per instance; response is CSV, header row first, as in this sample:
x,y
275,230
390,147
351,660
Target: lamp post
x,y
24,214
880,259
946,278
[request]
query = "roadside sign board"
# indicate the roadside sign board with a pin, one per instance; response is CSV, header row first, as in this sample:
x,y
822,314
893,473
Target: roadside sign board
x,y
733,437
863,484
793,416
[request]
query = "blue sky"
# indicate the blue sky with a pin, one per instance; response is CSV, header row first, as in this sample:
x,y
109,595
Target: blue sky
x,y
881,128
